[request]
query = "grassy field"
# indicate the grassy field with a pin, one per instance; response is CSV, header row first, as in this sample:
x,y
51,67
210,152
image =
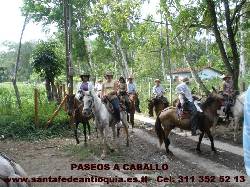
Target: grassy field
x,y
19,124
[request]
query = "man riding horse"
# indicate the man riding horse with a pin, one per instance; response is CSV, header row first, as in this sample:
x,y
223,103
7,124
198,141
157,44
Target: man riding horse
x,y
109,94
187,103
158,92
122,93
131,89
228,94
85,85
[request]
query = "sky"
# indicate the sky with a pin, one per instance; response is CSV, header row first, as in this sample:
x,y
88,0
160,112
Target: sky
x,y
11,21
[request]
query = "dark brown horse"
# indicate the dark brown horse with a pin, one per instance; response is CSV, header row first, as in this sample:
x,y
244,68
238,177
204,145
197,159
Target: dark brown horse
x,y
74,109
168,120
158,105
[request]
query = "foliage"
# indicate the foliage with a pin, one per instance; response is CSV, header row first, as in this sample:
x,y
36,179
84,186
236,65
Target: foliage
x,y
47,59
20,124
8,59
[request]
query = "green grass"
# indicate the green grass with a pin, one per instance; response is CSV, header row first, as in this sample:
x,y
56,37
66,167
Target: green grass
x,y
19,124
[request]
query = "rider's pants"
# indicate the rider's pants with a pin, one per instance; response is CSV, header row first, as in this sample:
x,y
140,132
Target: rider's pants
x,y
116,105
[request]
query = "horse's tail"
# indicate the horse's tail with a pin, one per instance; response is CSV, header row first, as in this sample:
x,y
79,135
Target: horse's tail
x,y
159,130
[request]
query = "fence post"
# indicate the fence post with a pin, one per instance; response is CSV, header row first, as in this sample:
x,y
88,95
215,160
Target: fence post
x,y
36,106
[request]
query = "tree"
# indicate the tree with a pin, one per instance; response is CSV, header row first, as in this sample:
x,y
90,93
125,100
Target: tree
x,y
47,60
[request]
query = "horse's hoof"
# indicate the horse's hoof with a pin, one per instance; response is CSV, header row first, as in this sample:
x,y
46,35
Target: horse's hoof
x,y
198,150
214,151
170,153
127,144
102,156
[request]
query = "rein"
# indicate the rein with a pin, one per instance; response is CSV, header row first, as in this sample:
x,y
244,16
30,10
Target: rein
x,y
239,101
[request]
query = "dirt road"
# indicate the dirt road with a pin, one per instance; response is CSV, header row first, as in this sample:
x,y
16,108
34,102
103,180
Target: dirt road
x,y
57,157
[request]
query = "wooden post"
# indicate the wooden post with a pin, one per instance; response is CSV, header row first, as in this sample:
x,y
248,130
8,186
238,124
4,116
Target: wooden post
x,y
56,112
36,106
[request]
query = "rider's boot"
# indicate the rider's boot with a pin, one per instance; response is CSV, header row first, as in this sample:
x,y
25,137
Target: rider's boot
x,y
194,124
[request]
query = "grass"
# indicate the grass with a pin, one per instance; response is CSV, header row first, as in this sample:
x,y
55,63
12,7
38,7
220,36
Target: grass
x,y
19,124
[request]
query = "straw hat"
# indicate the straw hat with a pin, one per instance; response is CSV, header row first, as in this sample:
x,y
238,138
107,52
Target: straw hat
x,y
157,80
184,79
108,73
226,76
84,74
130,77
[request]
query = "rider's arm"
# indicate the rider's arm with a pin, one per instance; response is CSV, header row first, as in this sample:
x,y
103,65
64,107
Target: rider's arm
x,y
154,90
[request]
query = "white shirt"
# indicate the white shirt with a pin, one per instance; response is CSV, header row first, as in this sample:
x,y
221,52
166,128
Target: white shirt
x,y
98,86
182,88
158,90
131,87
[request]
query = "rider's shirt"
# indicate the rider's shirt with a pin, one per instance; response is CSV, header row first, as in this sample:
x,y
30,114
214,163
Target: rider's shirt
x,y
108,87
182,89
122,87
85,86
131,88
158,91
98,87
228,87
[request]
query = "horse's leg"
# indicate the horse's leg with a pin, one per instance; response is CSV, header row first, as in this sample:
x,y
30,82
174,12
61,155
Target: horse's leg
x,y
214,125
96,128
211,140
167,141
199,143
85,131
132,120
236,128
88,125
125,124
75,130
104,142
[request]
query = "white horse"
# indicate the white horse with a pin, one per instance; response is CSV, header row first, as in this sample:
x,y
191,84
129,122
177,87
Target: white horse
x,y
103,118
238,111
10,169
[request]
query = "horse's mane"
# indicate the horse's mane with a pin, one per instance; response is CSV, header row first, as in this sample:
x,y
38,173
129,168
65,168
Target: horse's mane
x,y
208,102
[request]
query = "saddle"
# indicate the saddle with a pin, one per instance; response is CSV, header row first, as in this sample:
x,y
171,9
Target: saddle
x,y
182,111
108,104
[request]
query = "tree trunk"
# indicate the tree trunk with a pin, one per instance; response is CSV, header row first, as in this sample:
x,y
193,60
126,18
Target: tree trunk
x,y
48,90
197,78
124,56
17,63
68,43
54,91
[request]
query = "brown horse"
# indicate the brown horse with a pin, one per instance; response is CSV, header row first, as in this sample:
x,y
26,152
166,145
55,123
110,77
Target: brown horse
x,y
132,101
168,120
74,109
158,105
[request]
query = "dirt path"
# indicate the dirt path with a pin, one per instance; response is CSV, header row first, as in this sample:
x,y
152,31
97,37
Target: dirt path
x,y
54,158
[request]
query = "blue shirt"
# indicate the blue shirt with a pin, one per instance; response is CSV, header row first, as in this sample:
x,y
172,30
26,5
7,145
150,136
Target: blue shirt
x,y
246,132
131,88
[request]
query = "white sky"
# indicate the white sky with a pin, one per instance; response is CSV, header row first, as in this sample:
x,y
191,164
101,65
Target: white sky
x,y
11,21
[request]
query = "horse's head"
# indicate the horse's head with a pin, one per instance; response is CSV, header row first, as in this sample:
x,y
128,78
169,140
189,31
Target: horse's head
x,y
70,104
88,103
214,100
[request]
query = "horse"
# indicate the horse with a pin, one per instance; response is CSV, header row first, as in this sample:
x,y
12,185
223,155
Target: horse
x,y
10,169
103,118
168,119
238,112
74,109
132,101
158,106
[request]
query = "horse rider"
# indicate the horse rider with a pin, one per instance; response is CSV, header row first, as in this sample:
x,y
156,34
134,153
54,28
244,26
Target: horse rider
x,y
122,91
109,92
132,90
186,101
85,85
228,92
98,87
